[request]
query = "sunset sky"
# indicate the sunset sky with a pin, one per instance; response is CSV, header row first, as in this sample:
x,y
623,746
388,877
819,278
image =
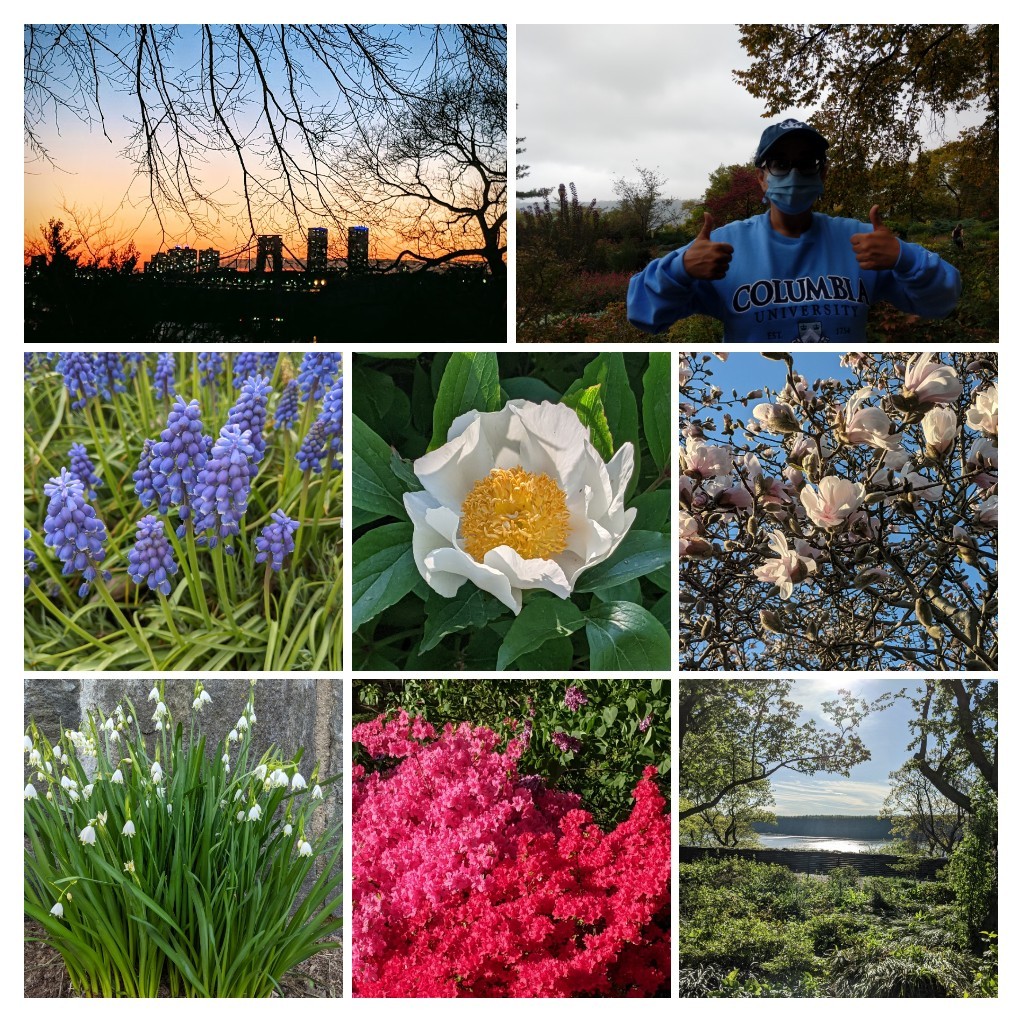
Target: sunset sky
x,y
93,178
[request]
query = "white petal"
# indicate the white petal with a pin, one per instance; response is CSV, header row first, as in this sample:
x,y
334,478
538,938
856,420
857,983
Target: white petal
x,y
426,540
614,541
527,573
457,562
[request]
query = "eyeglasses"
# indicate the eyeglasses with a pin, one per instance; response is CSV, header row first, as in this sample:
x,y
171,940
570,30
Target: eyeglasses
x,y
779,166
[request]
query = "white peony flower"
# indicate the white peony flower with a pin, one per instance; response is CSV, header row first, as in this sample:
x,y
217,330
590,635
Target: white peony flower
x,y
517,500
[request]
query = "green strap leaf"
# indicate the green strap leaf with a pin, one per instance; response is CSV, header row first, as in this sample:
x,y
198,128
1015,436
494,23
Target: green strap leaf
x,y
383,570
543,619
622,635
657,407
469,381
375,488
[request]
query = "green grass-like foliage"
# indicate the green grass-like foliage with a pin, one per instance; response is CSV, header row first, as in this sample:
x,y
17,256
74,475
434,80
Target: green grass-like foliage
x,y
196,902
224,611
750,930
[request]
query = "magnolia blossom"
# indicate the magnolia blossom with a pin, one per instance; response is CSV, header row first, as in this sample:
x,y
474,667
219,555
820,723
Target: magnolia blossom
x,y
789,568
922,489
988,510
835,500
691,543
517,500
860,425
931,383
940,426
778,418
705,460
983,414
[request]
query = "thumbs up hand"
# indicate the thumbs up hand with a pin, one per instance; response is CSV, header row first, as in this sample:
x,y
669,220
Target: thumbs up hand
x,y
707,260
878,249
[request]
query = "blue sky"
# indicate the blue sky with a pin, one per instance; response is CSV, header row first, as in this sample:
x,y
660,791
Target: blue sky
x,y
885,733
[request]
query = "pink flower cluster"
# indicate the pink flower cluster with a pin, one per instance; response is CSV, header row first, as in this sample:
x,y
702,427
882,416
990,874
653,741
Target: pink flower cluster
x,y
470,880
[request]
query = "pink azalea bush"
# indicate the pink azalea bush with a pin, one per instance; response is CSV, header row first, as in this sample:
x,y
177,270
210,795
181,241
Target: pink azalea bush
x,y
472,880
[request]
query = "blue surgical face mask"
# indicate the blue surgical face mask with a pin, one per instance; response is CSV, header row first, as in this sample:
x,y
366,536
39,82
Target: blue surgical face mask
x,y
794,192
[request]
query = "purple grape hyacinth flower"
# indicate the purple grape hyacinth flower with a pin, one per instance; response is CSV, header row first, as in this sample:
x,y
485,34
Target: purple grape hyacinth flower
x,y
151,560
287,413
73,529
316,374
109,373
246,364
79,372
313,449
178,457
334,408
143,477
211,365
250,413
275,541
575,698
222,490
30,559
83,468
163,378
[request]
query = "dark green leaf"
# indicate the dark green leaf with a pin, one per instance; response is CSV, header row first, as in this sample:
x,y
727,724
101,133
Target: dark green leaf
x,y
657,408
651,510
530,388
470,608
402,469
470,381
626,636
383,570
553,656
640,553
542,619
375,488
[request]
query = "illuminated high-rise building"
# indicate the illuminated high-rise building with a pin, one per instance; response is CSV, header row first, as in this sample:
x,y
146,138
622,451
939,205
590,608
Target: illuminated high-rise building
x,y
358,250
182,259
316,250
268,245
209,261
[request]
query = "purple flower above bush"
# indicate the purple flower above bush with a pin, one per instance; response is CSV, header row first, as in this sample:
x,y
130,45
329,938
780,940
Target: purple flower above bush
x,y
565,742
275,541
151,560
575,698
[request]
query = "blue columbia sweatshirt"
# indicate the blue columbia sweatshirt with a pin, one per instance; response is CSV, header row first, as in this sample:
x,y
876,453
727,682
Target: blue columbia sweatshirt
x,y
783,289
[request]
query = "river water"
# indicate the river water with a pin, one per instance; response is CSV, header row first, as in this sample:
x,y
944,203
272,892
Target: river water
x,y
835,844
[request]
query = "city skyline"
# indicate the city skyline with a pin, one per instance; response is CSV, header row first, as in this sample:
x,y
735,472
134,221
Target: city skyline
x,y
290,140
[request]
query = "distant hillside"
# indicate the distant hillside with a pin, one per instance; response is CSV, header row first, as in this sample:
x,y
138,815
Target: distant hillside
x,y
680,208
845,826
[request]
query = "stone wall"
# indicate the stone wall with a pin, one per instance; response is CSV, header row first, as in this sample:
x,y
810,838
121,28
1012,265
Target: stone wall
x,y
291,713
818,862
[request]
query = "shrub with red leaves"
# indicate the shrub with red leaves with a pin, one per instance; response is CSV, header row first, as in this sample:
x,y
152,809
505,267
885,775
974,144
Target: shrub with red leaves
x,y
471,880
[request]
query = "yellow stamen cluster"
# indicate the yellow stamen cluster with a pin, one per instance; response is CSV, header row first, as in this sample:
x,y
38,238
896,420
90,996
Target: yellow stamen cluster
x,y
526,511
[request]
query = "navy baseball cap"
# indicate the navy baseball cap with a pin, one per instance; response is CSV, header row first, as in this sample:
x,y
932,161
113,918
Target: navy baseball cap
x,y
774,132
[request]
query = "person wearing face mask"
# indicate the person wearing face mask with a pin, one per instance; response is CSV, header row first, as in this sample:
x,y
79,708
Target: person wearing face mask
x,y
791,274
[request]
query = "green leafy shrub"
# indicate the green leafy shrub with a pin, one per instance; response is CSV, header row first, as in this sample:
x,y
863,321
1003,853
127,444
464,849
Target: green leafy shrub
x,y
910,971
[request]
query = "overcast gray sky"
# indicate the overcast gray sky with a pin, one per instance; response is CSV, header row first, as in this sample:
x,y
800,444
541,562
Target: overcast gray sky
x,y
593,100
